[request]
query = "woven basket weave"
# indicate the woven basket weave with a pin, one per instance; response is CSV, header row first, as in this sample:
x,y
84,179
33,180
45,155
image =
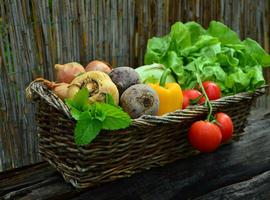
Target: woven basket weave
x,y
149,142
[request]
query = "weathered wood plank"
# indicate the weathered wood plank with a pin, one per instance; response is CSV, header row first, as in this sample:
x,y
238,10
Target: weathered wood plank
x,y
229,169
28,183
254,188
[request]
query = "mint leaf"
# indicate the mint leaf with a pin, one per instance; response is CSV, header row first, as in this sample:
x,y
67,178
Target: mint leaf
x,y
69,103
85,115
74,111
79,103
86,130
97,112
109,99
76,114
80,100
91,118
115,118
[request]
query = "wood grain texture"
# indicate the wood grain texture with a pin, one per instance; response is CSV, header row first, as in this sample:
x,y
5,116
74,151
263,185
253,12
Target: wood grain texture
x,y
35,35
254,188
240,170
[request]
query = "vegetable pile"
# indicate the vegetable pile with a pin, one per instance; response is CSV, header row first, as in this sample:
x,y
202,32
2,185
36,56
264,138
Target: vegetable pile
x,y
92,98
93,95
189,66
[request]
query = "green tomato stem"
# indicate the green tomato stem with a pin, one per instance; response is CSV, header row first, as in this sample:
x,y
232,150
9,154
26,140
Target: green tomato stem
x,y
164,77
209,105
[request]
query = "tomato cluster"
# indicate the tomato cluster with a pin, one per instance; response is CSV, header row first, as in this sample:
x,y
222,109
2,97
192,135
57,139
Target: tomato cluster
x,y
194,96
207,136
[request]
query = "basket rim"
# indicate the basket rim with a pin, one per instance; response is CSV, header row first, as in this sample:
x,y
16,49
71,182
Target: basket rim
x,y
39,89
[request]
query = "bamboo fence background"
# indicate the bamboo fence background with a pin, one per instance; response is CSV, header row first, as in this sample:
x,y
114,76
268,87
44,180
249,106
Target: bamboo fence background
x,y
37,34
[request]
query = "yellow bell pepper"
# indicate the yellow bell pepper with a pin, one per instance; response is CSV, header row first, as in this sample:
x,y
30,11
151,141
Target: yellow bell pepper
x,y
170,95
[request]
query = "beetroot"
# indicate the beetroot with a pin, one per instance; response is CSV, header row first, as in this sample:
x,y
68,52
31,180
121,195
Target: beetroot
x,y
140,99
124,77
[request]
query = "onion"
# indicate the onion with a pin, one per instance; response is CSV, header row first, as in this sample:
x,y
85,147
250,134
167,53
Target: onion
x,y
61,90
97,65
67,72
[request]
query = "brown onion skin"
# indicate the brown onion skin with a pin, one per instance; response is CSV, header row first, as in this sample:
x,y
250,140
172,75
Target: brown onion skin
x,y
97,65
67,72
61,90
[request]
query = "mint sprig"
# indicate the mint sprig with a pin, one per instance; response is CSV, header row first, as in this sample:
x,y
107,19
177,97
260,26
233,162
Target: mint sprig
x,y
109,99
86,130
92,118
115,117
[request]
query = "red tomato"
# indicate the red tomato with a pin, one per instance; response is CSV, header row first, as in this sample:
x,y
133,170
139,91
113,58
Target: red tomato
x,y
225,125
212,90
193,95
185,102
204,136
201,101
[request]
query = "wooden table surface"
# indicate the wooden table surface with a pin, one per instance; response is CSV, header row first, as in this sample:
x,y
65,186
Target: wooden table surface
x,y
240,170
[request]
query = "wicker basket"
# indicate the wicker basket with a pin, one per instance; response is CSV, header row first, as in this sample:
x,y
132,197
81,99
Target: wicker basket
x,y
149,142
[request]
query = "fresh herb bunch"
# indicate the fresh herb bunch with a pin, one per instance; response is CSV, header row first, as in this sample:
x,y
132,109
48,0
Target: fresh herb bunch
x,y
92,118
215,54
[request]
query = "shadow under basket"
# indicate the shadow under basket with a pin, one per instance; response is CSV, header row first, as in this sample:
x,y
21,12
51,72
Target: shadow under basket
x,y
150,141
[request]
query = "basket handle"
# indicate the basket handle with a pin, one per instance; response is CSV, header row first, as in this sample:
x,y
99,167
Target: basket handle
x,y
39,88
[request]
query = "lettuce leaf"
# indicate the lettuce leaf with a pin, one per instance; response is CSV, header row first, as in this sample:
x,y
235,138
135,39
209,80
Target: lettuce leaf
x,y
195,30
216,54
157,49
257,52
224,34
